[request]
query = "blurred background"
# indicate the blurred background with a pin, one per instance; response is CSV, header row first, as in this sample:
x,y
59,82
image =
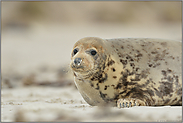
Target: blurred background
x,y
37,37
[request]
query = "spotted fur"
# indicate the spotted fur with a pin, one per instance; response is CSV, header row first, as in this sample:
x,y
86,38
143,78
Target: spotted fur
x,y
139,69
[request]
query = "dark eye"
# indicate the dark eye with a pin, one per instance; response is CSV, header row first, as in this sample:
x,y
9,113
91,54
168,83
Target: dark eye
x,y
93,52
75,51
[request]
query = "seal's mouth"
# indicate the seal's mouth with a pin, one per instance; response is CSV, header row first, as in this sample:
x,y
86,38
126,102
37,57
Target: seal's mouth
x,y
77,68
80,74
81,71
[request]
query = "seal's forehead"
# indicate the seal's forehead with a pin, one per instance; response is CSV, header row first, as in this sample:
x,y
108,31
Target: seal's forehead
x,y
90,42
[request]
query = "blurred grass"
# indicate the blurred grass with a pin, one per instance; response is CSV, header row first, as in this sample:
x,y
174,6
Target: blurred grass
x,y
31,10
91,11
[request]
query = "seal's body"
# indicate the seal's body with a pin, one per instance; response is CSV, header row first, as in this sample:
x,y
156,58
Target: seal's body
x,y
125,72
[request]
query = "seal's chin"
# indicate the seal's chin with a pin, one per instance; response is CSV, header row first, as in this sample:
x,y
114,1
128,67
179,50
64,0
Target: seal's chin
x,y
79,69
82,72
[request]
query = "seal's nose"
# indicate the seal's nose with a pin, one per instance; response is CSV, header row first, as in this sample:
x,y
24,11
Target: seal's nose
x,y
77,61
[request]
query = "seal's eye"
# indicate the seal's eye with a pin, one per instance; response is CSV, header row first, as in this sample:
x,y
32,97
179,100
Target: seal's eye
x,y
75,51
93,52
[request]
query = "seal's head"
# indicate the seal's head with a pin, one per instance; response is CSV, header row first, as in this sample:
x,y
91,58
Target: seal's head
x,y
86,56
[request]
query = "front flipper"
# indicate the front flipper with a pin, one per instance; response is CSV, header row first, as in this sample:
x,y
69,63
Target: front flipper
x,y
130,102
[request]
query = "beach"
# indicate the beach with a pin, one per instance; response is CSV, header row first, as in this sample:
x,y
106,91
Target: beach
x,y
38,85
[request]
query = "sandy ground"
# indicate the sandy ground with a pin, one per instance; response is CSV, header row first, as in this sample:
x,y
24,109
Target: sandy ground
x,y
66,104
36,82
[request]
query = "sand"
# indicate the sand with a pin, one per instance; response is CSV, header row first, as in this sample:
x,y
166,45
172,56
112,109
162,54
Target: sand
x,y
66,104
37,85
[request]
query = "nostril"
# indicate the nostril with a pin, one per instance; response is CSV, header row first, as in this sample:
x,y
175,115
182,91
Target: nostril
x,y
77,61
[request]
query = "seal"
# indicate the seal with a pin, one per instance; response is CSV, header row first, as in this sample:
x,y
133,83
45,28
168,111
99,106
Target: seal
x,y
126,72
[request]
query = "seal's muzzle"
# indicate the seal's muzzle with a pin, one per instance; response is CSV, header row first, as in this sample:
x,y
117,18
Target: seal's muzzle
x,y
77,61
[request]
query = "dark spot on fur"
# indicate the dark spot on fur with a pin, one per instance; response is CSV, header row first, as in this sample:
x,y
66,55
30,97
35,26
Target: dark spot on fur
x,y
119,55
131,73
169,71
150,65
158,93
122,72
131,60
123,80
163,72
119,85
113,85
102,79
102,95
97,86
114,77
113,69
137,69
175,99
110,62
116,97
132,65
139,55
91,84
116,49
92,78
124,62
122,92
105,88
165,88
100,76
154,52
